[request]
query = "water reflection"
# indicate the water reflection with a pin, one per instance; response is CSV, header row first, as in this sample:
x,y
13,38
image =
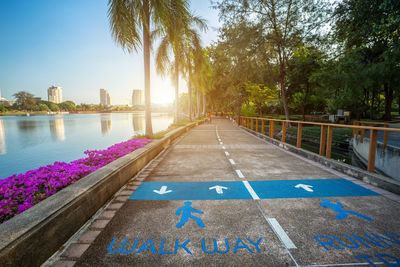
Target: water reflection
x,y
106,123
27,125
57,129
3,148
138,124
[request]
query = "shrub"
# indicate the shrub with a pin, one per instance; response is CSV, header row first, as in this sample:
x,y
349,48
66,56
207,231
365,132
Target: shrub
x,y
19,192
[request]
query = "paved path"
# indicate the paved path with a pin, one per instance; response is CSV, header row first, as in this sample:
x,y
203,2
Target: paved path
x,y
222,197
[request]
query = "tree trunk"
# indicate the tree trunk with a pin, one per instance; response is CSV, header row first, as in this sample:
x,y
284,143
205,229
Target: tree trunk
x,y
190,99
146,59
398,103
388,101
198,103
285,106
305,103
176,90
371,109
204,104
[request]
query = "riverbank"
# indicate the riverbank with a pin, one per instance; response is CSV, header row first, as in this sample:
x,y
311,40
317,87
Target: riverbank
x,y
20,192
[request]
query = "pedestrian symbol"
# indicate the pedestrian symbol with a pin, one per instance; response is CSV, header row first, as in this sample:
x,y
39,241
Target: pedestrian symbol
x,y
341,214
187,213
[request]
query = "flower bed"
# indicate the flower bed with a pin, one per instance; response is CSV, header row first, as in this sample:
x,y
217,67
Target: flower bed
x,y
19,192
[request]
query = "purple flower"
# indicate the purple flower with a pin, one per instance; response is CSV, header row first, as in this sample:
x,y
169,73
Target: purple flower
x,y
19,192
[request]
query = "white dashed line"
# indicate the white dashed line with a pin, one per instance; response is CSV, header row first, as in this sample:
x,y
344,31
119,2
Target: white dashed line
x,y
251,190
220,143
232,161
281,233
223,147
239,173
226,153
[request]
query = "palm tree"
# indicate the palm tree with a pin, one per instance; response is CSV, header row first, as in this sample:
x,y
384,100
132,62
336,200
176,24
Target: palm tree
x,y
178,35
202,79
193,65
129,18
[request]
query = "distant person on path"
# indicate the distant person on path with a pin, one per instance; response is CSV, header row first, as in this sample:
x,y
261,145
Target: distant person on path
x,y
341,214
209,117
187,214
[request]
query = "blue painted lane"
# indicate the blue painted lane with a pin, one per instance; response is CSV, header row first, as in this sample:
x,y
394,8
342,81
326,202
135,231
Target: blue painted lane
x,y
191,191
269,189
316,188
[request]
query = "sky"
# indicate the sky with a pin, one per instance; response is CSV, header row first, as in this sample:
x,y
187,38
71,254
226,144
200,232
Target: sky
x,y
69,44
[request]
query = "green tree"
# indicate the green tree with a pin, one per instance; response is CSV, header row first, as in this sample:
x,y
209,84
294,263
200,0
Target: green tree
x,y
24,100
67,105
369,32
283,23
129,18
2,108
260,94
304,91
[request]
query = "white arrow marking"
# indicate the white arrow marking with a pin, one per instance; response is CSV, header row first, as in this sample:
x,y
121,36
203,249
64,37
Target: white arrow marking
x,y
163,190
305,187
218,188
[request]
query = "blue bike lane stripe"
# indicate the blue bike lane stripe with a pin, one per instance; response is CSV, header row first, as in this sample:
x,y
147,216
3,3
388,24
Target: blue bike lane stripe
x,y
191,191
267,189
320,188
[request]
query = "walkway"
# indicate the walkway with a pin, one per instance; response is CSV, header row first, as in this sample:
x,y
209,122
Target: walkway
x,y
220,196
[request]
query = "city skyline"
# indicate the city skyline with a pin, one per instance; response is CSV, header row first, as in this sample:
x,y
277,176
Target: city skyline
x,y
54,94
105,98
81,44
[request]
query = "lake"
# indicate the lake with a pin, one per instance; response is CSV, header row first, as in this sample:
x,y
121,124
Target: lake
x,y
30,142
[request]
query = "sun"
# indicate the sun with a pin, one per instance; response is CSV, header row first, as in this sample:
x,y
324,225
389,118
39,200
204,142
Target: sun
x,y
162,91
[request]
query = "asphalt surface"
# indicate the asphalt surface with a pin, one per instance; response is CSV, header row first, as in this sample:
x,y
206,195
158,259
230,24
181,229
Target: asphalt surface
x,y
271,209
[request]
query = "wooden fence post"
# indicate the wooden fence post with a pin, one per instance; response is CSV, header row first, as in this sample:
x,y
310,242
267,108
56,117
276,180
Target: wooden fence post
x,y
299,132
252,124
373,137
322,140
283,139
329,142
256,125
271,128
262,127
385,137
362,133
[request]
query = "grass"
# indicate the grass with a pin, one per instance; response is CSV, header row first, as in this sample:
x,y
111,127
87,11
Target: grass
x,y
22,113
161,134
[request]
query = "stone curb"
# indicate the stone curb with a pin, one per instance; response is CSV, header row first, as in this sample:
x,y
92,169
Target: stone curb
x,y
31,237
370,178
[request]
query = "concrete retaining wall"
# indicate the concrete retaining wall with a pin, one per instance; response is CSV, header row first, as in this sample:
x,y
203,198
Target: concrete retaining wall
x,y
371,178
31,237
386,161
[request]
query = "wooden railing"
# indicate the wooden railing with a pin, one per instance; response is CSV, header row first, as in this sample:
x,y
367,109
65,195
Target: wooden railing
x,y
325,144
372,124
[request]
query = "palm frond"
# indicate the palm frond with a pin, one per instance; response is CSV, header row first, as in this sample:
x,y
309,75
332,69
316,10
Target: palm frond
x,y
162,56
124,25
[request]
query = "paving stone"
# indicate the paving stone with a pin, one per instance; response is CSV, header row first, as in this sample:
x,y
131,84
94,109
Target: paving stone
x,y
115,206
126,193
99,224
75,250
122,198
63,263
89,236
108,214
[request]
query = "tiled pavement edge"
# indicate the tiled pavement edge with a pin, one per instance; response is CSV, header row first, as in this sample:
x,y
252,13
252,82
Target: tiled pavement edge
x,y
71,251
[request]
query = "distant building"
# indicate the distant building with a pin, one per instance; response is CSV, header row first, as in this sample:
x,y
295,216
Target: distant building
x,y
105,98
4,101
37,98
54,94
137,98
